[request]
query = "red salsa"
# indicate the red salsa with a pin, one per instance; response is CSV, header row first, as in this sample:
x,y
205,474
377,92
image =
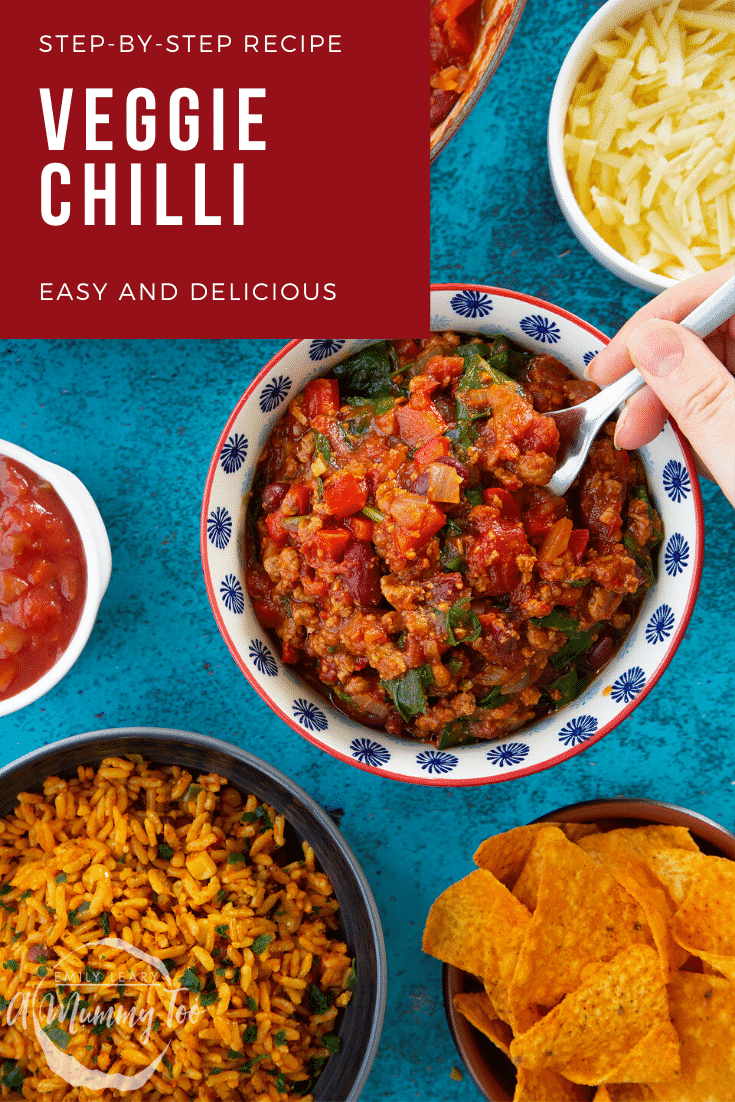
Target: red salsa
x,y
42,577
452,34
404,547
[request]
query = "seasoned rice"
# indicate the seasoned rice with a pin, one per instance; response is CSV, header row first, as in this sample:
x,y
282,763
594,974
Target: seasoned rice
x,y
183,869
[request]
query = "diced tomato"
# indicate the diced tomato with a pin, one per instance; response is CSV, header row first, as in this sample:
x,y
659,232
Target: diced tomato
x,y
418,426
503,501
12,639
578,541
297,500
334,542
434,449
417,520
8,670
540,518
269,614
276,531
36,610
11,586
344,494
321,396
406,350
361,527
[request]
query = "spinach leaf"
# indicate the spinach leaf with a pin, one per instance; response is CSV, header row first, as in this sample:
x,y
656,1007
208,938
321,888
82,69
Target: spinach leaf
x,y
641,493
11,1075
322,447
479,373
642,558
569,685
493,699
408,692
577,639
459,616
367,373
461,436
456,734
506,358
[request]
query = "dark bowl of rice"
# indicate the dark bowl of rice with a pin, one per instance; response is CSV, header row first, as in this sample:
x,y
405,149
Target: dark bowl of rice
x,y
74,801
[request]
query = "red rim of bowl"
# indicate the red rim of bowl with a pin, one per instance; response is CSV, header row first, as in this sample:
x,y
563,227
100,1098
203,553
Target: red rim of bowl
x,y
448,782
493,1072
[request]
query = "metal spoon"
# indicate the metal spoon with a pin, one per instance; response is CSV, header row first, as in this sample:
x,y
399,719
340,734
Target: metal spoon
x,y
578,426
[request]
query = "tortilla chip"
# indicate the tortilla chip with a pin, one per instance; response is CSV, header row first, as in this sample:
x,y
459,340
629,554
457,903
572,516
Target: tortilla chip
x,y
575,831
583,916
526,886
703,1012
624,1092
654,837
547,1086
478,926
705,922
613,852
591,1033
478,1010
504,855
655,1057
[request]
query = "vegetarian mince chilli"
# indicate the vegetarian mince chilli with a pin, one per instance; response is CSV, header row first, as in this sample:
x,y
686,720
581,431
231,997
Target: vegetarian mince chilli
x,y
403,547
453,31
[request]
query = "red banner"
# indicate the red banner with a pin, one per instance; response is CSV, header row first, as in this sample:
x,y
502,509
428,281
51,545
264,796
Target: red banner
x,y
178,170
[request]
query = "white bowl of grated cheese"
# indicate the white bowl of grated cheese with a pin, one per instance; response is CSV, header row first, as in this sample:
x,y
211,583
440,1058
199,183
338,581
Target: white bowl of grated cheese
x,y
641,138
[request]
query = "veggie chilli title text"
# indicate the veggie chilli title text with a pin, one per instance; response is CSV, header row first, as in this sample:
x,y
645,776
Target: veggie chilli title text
x,y
140,192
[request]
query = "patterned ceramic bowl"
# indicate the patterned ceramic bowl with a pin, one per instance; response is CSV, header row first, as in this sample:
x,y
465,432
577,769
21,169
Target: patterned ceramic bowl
x,y
499,21
492,1071
623,683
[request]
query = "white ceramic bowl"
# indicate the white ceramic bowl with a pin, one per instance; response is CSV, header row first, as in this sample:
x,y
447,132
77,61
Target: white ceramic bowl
x,y
611,15
623,683
96,544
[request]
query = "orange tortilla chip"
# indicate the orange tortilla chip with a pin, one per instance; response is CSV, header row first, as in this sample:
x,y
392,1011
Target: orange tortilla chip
x,y
705,921
479,1012
703,1012
583,916
478,926
526,886
624,1092
504,855
619,1006
547,1086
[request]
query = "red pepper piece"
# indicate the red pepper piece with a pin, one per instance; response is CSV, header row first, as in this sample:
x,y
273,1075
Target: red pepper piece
x,y
268,613
578,542
502,500
297,500
418,426
417,520
344,495
321,396
428,453
276,531
334,542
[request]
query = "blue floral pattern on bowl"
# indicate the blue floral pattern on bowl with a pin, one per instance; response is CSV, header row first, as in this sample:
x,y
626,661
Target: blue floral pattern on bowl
x,y
676,480
588,358
508,753
578,730
219,528
232,594
234,453
541,329
309,716
274,392
661,624
626,687
676,555
322,349
437,761
369,752
263,659
471,304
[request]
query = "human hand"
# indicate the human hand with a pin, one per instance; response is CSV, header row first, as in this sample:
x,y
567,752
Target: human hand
x,y
690,379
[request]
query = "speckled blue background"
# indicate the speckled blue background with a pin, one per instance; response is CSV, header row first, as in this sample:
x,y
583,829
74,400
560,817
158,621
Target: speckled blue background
x,y
138,422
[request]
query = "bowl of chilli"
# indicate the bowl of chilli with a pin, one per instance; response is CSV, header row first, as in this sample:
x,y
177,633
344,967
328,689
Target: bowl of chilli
x,y
178,909
467,41
615,860
389,572
639,138
55,565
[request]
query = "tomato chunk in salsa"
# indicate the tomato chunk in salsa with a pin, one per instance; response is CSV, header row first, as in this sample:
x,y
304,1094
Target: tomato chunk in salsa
x,y
403,546
42,577
452,33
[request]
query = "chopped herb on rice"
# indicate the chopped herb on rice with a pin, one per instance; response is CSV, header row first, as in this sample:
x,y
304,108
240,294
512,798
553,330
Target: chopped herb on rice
x,y
104,839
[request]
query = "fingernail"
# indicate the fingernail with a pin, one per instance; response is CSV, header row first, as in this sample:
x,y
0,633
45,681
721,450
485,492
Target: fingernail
x,y
620,422
656,348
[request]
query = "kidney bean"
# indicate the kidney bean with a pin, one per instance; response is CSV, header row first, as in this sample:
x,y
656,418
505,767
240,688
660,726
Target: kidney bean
x,y
600,653
362,574
273,495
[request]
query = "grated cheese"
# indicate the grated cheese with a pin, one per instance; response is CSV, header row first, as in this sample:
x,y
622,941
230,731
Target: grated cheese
x,y
650,142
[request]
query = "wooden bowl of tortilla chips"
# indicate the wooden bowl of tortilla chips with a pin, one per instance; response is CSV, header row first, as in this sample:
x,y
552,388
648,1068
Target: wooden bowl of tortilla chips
x,y
591,957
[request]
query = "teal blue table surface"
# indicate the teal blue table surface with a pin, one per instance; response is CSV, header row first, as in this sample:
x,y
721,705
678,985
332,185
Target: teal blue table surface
x,y
138,422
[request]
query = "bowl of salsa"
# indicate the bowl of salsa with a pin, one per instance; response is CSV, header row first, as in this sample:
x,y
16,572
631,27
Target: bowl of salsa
x,y
391,573
55,565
